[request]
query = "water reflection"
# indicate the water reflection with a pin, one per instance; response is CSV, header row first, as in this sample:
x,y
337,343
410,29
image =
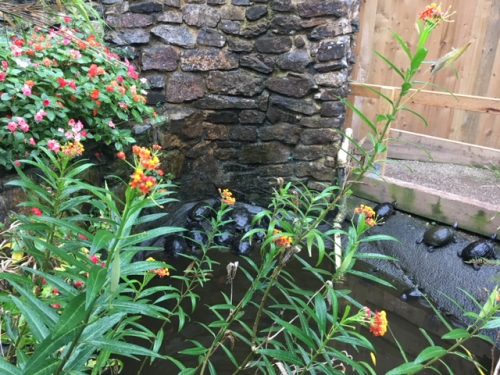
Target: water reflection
x,y
406,319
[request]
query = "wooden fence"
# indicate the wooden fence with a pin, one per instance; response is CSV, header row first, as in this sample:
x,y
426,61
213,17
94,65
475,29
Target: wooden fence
x,y
478,70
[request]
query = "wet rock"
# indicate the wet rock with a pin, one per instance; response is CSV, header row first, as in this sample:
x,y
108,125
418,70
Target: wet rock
x,y
258,63
160,58
319,136
256,28
130,36
305,106
224,238
240,246
130,20
291,85
278,44
256,12
299,42
200,15
243,133
332,109
250,116
296,61
264,153
318,8
172,3
238,82
331,66
332,79
208,59
331,29
281,5
211,37
232,13
178,35
225,102
286,133
155,97
333,50
286,24
156,81
146,7
223,117
182,87
239,44
230,27
171,16
276,114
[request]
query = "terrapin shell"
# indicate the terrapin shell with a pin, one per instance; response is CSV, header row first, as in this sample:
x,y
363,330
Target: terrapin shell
x,y
174,245
481,249
438,236
241,218
200,211
384,210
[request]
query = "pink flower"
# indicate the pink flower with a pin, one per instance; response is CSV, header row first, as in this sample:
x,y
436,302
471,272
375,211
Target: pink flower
x,y
72,84
69,135
53,145
78,284
75,54
32,141
12,126
3,76
5,65
23,125
94,259
40,115
67,19
77,126
66,41
111,124
132,73
46,103
27,90
16,51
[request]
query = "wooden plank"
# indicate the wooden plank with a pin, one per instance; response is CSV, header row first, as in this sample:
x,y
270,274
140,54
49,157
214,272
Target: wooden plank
x,y
472,215
413,146
437,98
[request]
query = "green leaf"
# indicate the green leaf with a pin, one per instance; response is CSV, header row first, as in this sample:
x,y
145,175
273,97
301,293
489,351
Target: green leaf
x,y
456,334
418,59
101,240
73,315
150,234
7,369
430,352
415,113
404,46
492,324
35,322
115,272
320,308
390,64
199,350
95,285
406,369
123,348
281,355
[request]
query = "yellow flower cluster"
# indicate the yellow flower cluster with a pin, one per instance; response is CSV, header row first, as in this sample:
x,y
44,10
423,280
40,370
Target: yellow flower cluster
x,y
72,149
227,197
368,213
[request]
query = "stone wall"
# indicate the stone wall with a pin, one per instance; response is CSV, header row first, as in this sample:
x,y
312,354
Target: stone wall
x,y
251,87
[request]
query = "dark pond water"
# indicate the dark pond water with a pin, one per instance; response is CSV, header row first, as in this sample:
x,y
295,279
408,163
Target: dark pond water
x,y
405,318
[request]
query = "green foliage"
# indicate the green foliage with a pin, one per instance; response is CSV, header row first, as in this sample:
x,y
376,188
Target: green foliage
x,y
63,85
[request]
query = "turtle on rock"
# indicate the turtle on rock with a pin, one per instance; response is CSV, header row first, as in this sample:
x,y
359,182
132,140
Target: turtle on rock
x,y
438,236
476,252
383,211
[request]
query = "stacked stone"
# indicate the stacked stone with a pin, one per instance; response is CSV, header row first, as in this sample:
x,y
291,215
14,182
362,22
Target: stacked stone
x,y
251,87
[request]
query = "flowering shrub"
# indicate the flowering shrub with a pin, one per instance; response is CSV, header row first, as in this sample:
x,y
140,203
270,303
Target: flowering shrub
x,y
62,85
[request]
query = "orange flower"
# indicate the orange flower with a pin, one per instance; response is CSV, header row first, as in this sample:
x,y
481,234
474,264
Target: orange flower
x,y
379,324
432,12
369,214
283,241
73,149
162,272
121,155
95,71
227,197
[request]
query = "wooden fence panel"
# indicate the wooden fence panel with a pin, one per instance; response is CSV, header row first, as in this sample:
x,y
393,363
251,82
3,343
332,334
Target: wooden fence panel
x,y
479,68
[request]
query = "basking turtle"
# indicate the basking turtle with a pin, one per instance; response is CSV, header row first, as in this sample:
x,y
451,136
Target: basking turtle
x,y
224,238
197,236
438,236
412,294
384,210
477,251
201,211
240,246
174,246
241,217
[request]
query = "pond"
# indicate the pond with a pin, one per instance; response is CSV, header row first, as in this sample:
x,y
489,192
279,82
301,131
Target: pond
x,y
405,321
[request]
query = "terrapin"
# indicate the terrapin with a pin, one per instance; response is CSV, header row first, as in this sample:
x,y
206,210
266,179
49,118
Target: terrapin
x,y
201,211
438,236
477,251
384,210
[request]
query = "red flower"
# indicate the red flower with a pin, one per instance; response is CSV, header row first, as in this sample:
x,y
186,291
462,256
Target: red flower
x,y
72,84
95,71
78,284
378,326
46,103
36,211
94,259
62,82
56,292
3,76
95,94
56,306
121,155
